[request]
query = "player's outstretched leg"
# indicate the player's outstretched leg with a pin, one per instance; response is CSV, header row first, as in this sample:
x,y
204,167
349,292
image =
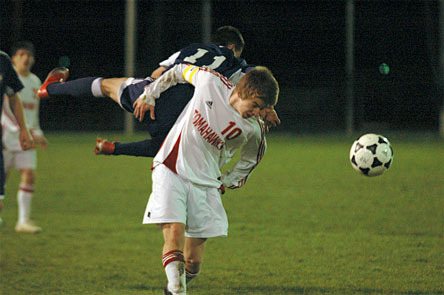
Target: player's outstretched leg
x,y
104,147
144,148
57,75
56,85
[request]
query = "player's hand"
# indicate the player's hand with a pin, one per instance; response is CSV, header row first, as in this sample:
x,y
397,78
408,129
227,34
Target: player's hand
x,y
40,140
26,141
270,118
221,189
141,106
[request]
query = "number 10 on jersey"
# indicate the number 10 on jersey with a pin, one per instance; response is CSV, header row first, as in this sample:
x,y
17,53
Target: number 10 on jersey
x,y
231,131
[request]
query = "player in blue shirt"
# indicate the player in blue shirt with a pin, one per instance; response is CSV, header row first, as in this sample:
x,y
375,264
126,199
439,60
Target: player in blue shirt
x,y
222,56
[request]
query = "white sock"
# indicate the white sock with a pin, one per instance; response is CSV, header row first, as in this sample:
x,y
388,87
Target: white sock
x,y
96,88
175,272
24,198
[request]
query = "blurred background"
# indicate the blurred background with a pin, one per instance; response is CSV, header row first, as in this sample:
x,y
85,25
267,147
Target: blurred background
x,y
342,65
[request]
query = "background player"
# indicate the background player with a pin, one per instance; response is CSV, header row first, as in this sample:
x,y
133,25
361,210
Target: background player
x,y
25,161
185,199
10,85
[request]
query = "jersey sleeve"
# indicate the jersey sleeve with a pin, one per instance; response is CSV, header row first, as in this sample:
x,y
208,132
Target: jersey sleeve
x,y
170,61
181,73
252,153
11,81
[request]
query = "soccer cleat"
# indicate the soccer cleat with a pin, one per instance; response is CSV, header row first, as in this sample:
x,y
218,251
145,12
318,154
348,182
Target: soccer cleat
x,y
104,147
166,292
28,227
56,75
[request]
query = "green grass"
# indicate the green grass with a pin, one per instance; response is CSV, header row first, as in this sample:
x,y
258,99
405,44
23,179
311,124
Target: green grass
x,y
305,223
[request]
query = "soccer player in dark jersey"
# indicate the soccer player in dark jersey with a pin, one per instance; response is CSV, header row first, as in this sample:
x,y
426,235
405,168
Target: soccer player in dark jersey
x,y
222,56
10,85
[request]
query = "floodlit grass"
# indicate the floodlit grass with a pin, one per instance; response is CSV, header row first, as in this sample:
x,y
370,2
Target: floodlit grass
x,y
305,223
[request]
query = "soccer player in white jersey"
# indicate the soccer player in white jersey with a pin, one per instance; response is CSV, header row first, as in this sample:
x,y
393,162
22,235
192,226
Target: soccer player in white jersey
x,y
187,179
14,156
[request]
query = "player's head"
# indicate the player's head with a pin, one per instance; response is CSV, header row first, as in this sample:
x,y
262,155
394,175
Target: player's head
x,y
22,55
229,37
257,90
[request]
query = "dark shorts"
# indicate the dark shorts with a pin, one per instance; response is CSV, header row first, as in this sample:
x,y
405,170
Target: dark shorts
x,y
168,106
131,92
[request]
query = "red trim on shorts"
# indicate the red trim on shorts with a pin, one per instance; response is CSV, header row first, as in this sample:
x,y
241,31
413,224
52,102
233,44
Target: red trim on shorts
x,y
171,160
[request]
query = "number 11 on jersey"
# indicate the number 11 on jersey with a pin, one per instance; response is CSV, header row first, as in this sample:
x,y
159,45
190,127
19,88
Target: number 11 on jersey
x,y
217,60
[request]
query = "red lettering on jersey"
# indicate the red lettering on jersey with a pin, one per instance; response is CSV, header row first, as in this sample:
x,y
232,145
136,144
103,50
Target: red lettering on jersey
x,y
199,122
28,105
233,133
203,127
207,133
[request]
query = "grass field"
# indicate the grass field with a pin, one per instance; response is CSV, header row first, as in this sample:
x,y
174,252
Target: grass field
x,y
305,223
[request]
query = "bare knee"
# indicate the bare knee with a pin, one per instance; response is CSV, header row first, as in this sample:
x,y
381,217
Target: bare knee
x,y
28,176
174,236
110,87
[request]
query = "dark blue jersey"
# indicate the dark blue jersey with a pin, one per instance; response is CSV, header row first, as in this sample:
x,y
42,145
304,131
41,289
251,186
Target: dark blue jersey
x,y
218,58
9,81
171,102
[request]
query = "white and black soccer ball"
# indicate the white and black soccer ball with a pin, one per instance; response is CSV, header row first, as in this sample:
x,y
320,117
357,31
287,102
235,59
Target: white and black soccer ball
x,y
371,154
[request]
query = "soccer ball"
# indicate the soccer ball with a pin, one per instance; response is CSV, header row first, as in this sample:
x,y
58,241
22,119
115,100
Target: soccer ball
x,y
371,154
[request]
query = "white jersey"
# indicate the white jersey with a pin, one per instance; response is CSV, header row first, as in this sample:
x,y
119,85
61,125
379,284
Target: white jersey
x,y
31,105
208,131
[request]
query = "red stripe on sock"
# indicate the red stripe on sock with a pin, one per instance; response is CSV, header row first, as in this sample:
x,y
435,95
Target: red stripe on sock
x,y
172,252
26,190
175,255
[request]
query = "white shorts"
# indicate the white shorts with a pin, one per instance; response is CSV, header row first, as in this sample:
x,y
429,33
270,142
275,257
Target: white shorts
x,y
20,159
175,199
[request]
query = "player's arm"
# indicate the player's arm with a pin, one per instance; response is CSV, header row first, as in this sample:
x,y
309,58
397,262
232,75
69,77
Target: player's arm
x,y
13,86
158,72
17,109
165,65
180,73
252,153
270,118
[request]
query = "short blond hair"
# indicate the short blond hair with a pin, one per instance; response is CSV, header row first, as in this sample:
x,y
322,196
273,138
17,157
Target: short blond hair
x,y
259,83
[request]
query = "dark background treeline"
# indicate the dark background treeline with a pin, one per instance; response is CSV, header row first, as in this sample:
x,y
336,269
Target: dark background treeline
x,y
303,42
